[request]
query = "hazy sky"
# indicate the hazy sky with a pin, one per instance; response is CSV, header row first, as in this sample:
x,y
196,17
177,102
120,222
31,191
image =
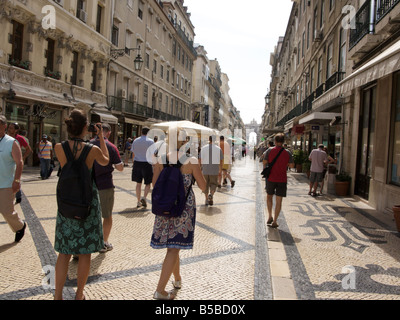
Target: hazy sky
x,y
241,35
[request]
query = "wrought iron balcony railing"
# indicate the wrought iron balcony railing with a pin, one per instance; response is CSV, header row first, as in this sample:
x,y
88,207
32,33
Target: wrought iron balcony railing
x,y
364,23
383,7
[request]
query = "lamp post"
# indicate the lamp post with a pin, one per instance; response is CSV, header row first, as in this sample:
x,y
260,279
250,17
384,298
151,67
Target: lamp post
x,y
138,62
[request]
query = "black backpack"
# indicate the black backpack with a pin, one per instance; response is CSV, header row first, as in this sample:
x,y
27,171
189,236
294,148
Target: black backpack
x,y
75,185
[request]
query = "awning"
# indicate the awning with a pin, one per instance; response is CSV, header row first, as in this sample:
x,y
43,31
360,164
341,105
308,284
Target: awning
x,y
132,121
268,130
319,118
106,117
382,65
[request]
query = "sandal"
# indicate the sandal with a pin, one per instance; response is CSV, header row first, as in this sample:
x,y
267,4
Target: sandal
x,y
160,296
177,284
270,220
274,225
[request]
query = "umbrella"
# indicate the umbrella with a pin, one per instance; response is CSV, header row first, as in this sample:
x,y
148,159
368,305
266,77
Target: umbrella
x,y
237,140
191,128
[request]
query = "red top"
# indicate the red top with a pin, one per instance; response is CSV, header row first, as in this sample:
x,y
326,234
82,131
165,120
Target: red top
x,y
278,172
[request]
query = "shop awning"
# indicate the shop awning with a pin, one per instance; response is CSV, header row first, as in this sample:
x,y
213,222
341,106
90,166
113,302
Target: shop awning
x,y
268,130
132,121
106,117
319,117
382,65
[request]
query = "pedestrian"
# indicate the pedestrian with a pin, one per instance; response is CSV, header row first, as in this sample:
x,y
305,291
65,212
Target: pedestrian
x,y
11,165
13,131
45,153
211,161
128,145
317,158
328,161
226,167
176,233
277,181
142,169
104,182
77,237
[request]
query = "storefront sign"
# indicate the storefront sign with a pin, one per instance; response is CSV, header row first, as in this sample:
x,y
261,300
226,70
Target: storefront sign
x,y
41,111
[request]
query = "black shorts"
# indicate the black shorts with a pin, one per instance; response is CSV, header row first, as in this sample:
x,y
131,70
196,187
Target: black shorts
x,y
278,188
142,171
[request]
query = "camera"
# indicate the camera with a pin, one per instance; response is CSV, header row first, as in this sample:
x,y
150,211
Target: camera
x,y
92,127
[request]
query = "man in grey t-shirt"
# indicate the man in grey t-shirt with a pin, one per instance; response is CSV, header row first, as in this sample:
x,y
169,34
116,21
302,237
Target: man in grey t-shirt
x,y
211,160
317,158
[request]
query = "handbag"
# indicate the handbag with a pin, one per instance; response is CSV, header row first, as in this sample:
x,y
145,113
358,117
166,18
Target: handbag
x,y
267,170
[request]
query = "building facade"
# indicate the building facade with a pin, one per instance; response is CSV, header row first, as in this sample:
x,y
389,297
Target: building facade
x,y
335,81
53,56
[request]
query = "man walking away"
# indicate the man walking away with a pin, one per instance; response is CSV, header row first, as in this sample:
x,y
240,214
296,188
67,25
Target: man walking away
x,y
211,160
104,181
142,169
277,181
45,155
11,164
317,158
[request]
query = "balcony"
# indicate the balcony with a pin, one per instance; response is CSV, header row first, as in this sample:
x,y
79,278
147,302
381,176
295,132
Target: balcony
x,y
297,111
384,7
133,108
334,79
375,20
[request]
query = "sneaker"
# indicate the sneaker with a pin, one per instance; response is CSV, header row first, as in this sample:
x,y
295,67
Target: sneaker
x,y
20,234
139,204
232,183
107,247
144,203
210,199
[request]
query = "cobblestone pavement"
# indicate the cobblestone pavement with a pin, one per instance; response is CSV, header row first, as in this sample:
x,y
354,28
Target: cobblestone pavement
x,y
235,256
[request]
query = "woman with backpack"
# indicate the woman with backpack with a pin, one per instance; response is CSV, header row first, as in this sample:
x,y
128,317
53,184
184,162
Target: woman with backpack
x,y
176,233
73,236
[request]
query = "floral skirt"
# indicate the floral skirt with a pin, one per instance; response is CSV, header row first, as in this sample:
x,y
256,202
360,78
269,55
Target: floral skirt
x,y
80,237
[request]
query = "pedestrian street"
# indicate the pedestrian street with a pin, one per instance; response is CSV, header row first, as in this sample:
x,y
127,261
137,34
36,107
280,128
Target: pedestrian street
x,y
325,247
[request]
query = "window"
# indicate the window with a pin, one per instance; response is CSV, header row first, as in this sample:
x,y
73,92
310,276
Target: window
x,y
322,13
74,67
308,33
331,4
115,35
17,41
94,76
140,10
147,60
329,61
145,94
342,53
162,71
98,18
319,79
155,66
50,54
395,149
315,26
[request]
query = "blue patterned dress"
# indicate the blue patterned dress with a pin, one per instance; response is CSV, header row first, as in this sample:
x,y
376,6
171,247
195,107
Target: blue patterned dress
x,y
80,237
176,232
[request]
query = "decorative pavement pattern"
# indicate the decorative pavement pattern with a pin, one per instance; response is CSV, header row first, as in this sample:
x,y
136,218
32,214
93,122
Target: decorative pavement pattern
x,y
325,247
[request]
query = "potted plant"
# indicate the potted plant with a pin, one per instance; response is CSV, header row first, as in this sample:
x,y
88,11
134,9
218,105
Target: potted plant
x,y
342,184
298,159
396,213
306,167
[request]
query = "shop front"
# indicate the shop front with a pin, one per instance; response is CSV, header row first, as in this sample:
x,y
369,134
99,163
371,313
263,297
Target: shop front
x,y
36,119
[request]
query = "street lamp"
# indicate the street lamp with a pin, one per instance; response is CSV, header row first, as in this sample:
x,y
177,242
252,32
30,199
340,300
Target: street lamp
x,y
138,62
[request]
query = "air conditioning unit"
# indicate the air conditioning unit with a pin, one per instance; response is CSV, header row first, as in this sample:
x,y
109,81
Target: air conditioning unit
x,y
82,15
60,2
123,93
